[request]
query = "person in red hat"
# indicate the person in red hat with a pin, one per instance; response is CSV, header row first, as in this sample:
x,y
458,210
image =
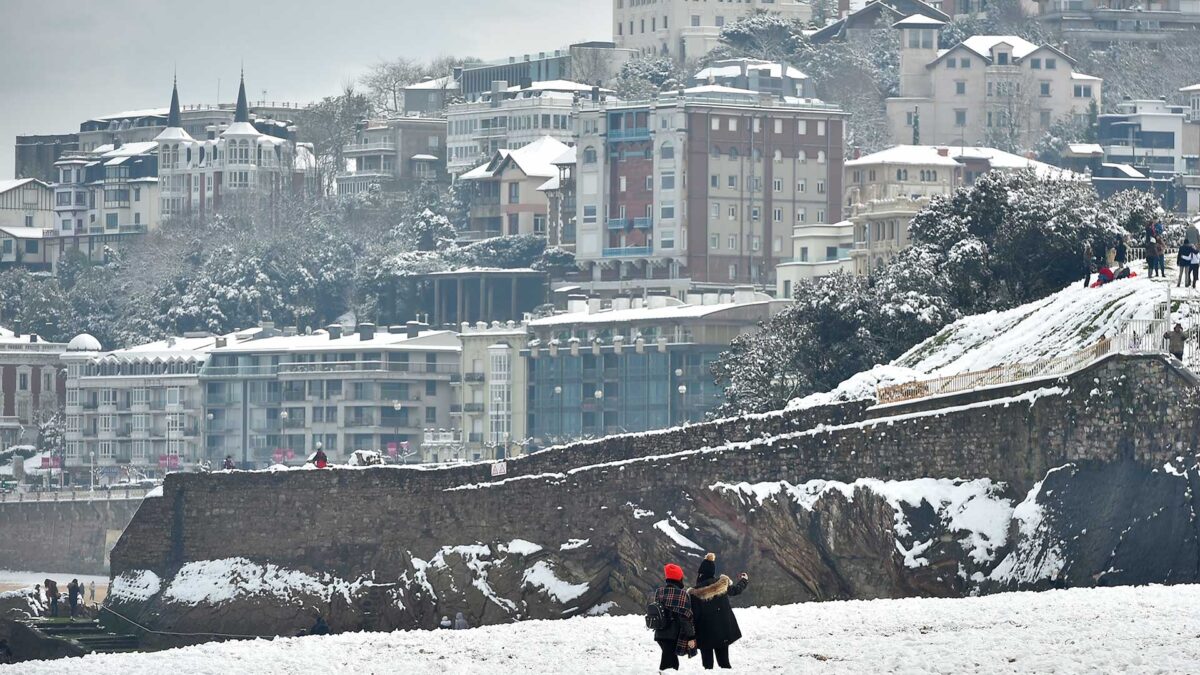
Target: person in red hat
x,y
676,637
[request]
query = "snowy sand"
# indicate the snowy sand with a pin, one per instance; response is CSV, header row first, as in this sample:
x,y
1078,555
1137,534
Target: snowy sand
x,y
1143,630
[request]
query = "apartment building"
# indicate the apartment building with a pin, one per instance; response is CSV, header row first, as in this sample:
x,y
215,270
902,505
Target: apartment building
x,y
1101,24
274,398
592,63
884,190
560,197
394,155
701,187
983,90
764,77
26,213
858,21
507,198
1150,134
632,364
136,412
244,164
30,387
688,30
431,96
488,419
818,250
509,118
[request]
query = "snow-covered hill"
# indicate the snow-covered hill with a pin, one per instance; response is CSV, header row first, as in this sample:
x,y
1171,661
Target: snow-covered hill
x,y
1131,629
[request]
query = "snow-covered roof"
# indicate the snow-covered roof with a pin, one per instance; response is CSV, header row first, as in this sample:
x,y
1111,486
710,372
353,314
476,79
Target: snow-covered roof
x,y
23,232
567,158
241,129
126,150
728,68
447,82
319,341
932,155
1084,78
556,85
983,45
1189,88
84,343
643,314
1123,169
6,185
552,184
129,114
425,158
535,160
8,337
917,20
173,134
1085,149
172,348
719,89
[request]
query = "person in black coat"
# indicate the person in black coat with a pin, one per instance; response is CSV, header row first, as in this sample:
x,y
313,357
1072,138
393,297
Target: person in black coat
x,y
716,627
320,627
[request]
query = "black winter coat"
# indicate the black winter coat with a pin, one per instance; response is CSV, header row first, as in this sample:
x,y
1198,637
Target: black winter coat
x,y
715,624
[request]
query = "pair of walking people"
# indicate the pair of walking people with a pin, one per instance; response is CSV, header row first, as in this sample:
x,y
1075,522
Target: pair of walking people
x,y
699,618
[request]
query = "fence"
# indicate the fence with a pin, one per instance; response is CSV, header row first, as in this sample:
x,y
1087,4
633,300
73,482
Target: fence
x,y
75,495
1139,336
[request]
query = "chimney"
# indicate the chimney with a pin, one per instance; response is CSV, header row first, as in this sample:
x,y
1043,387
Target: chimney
x,y
414,328
16,329
593,305
620,303
33,338
943,152
397,329
221,342
596,93
366,331
335,331
743,294
576,303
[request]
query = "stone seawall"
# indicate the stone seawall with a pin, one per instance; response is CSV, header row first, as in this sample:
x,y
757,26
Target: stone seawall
x,y
64,536
638,501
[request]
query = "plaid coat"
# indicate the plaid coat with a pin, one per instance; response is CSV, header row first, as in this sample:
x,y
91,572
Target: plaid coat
x,y
675,600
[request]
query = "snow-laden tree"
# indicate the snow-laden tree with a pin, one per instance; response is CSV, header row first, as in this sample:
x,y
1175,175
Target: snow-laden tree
x,y
764,35
644,77
555,261
427,231
1132,210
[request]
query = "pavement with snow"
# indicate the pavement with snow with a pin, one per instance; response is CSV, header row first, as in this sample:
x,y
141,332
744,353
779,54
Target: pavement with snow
x,y
1130,629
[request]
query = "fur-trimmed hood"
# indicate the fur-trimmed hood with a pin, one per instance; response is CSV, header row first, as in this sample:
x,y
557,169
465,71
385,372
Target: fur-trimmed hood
x,y
715,589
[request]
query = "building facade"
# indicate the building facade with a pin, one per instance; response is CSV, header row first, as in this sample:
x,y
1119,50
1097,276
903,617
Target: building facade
x,y
818,250
506,191
592,63
701,187
631,364
31,389
36,154
1093,24
510,118
26,214
687,30
986,90
273,398
1148,133
394,155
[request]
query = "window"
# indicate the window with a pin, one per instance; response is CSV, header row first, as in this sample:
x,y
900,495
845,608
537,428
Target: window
x,y
714,181
777,245
733,243
801,215
141,422
777,185
667,181
820,187
777,216
821,128
960,87
820,215
622,184
514,193
667,211
733,153
110,220
732,124
733,212
801,185
589,155
108,449
695,20
778,126
1044,118
1002,58
733,272
174,395
951,63
589,214
431,415
960,118
1051,64
649,183
716,123
733,181
431,388
820,157
714,242
139,396
108,423
755,243
754,213
667,151
1044,88
714,211
1035,64
964,62
1083,91
539,223
666,240
720,21
32,245
514,223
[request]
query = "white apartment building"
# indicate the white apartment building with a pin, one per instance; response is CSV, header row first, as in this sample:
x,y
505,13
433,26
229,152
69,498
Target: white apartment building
x,y
686,29
26,215
1148,133
818,250
509,118
238,164
884,190
135,412
985,89
105,194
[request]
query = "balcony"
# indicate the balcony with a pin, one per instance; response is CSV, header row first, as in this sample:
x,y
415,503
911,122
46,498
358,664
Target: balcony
x,y
456,408
474,377
132,229
629,135
616,223
628,252
472,407
475,438
643,223
328,367
377,146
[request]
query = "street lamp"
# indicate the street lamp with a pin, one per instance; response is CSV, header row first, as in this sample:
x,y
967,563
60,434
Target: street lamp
x,y
561,423
397,406
92,454
682,389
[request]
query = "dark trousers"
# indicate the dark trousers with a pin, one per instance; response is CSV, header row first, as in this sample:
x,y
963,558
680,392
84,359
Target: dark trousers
x,y
669,660
53,606
706,655
74,606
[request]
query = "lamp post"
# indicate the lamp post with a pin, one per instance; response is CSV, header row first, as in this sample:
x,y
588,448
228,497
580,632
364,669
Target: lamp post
x,y
208,418
599,396
670,416
396,405
92,454
682,389
561,424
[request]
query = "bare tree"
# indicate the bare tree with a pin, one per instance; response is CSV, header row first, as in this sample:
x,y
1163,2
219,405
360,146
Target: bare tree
x,y
385,84
592,66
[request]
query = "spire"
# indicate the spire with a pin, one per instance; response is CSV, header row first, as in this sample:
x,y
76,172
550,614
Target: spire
x,y
173,119
242,114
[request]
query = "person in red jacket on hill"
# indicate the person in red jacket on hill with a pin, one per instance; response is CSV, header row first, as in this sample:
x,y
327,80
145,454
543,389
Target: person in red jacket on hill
x,y
319,459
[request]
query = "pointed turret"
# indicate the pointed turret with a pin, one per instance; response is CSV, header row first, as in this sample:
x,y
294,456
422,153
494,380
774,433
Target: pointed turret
x,y
242,114
173,117
174,130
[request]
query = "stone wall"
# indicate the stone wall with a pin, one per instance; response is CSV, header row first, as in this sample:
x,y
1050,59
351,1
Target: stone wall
x,y
382,521
64,536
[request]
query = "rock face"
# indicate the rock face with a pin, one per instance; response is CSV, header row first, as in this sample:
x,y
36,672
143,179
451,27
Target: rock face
x,y
985,491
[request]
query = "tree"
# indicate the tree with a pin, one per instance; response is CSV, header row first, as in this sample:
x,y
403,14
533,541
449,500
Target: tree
x,y
385,82
764,35
1132,210
556,262
646,76
426,232
329,125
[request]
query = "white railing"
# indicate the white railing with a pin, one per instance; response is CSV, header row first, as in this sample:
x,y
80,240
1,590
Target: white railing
x,y
1140,336
99,494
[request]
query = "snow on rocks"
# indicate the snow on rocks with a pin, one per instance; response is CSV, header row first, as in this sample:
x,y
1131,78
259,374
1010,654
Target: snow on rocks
x,y
1037,555
572,544
1125,629
861,386
135,586
541,576
974,509
670,527
216,581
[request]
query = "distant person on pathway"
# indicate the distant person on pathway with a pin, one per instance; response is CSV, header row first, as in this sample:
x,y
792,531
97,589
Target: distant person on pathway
x,y
228,465
1160,249
1176,341
1183,261
1088,257
460,622
320,460
677,637
92,592
74,591
1121,251
716,627
445,624
1193,267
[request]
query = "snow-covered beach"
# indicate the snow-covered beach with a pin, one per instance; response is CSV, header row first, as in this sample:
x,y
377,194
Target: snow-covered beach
x,y
1130,630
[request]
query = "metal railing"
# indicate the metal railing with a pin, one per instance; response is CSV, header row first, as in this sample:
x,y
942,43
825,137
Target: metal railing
x,y
628,251
75,495
1141,336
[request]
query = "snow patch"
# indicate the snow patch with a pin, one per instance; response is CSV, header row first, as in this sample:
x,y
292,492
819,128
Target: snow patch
x,y
541,576
667,527
135,586
573,544
216,581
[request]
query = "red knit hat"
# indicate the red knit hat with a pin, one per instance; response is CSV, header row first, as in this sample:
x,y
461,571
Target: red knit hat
x,y
673,572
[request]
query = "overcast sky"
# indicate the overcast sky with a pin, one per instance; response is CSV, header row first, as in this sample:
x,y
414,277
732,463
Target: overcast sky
x,y
63,61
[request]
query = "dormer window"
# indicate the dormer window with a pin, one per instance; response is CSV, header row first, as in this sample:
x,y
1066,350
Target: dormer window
x,y
1002,58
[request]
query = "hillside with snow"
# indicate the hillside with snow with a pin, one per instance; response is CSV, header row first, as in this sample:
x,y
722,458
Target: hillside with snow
x,y
1131,630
